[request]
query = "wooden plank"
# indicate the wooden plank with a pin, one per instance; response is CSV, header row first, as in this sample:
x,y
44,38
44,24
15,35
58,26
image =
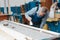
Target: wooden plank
x,y
3,17
46,3
5,36
15,34
34,33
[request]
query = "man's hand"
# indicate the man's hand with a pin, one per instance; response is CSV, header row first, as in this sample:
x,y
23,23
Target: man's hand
x,y
29,19
31,23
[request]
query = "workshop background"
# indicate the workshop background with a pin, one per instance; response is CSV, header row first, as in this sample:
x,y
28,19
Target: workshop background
x,y
14,10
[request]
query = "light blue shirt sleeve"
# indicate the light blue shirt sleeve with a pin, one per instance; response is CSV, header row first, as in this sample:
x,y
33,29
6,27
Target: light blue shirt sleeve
x,y
30,12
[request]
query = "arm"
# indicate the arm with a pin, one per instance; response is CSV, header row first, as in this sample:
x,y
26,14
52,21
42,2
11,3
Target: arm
x,y
44,20
31,12
54,5
52,10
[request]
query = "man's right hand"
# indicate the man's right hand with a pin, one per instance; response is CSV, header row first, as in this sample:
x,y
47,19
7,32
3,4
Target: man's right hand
x,y
29,19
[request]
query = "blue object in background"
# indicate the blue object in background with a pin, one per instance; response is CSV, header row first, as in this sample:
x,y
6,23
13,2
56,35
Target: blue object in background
x,y
20,18
58,1
58,5
17,9
54,1
32,4
13,9
59,26
51,26
54,26
27,7
2,9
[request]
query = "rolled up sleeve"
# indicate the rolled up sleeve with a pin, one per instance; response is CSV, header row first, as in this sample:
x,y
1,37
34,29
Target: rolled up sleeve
x,y
30,12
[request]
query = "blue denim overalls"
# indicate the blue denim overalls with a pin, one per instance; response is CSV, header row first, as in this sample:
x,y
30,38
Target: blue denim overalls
x,y
36,20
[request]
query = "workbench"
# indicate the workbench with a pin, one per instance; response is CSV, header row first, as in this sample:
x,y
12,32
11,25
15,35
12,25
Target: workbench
x,y
15,18
52,24
52,19
3,17
30,32
5,36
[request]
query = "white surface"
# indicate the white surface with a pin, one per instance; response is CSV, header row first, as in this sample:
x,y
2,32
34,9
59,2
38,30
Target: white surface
x,y
5,36
13,33
31,23
34,33
59,10
51,14
14,2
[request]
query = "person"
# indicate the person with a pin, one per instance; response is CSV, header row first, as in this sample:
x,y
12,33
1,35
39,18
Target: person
x,y
37,17
53,9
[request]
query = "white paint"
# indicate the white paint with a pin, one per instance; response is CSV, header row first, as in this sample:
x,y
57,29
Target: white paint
x,y
14,2
5,36
34,33
13,33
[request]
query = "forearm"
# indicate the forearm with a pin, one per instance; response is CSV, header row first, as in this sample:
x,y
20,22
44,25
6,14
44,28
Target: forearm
x,y
42,24
29,19
44,20
30,12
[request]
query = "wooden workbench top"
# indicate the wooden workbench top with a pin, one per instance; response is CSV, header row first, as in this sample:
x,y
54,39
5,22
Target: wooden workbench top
x,y
52,19
3,17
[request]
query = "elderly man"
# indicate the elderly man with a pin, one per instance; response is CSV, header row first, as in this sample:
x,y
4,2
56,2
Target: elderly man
x,y
37,17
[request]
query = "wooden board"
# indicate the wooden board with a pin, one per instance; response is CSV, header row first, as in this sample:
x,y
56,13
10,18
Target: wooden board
x,y
52,19
34,33
46,3
57,15
5,36
13,33
3,17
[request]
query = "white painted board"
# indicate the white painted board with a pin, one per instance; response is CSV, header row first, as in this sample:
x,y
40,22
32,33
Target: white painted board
x,y
15,34
5,36
34,33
